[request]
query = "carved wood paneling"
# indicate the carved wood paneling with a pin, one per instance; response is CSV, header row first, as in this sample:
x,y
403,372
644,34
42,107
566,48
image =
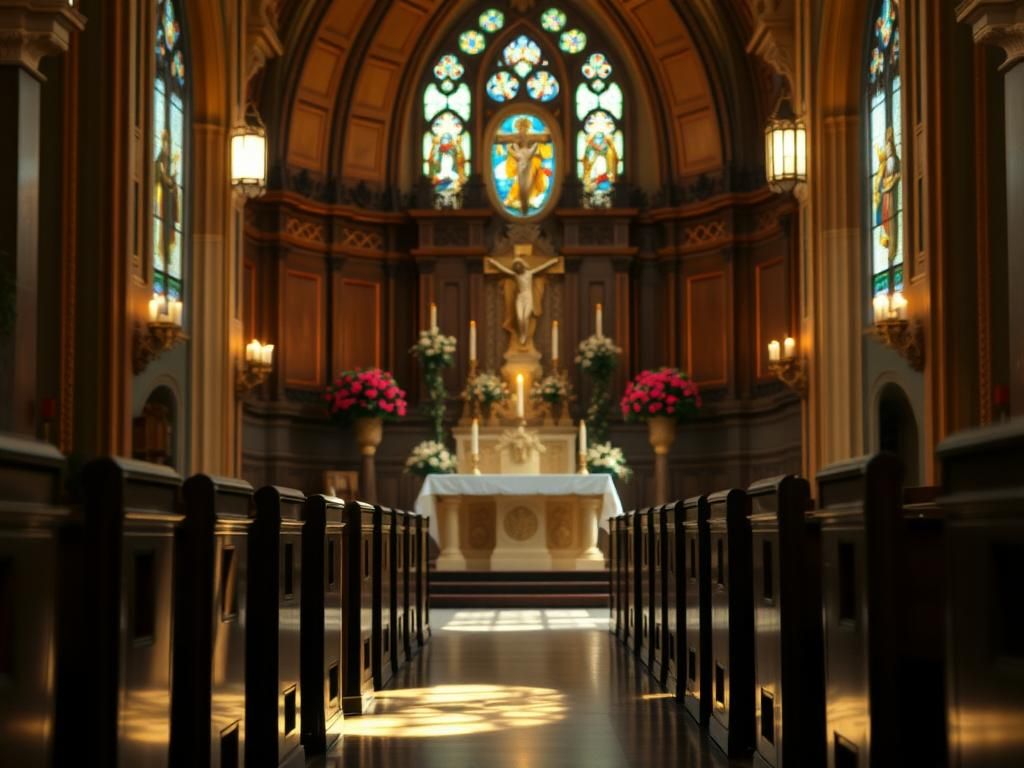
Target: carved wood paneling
x,y
707,329
358,324
303,330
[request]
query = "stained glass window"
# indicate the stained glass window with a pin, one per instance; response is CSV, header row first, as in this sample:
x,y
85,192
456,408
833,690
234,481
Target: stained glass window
x,y
472,42
542,86
573,41
449,66
523,164
522,54
492,20
553,20
169,158
885,150
502,86
596,66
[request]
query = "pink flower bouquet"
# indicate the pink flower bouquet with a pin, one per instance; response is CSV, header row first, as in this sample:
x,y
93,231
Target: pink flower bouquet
x,y
664,392
371,393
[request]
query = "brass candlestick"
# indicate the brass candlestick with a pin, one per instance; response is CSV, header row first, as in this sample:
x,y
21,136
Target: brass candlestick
x,y
474,460
471,408
583,464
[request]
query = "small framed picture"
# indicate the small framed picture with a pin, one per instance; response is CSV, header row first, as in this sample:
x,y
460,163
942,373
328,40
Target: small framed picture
x,y
342,483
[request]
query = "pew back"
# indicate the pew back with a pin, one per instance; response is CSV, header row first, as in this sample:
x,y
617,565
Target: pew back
x,y
357,607
697,599
382,581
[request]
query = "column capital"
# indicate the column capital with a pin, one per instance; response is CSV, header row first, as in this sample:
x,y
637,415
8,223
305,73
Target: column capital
x,y
32,29
774,37
996,22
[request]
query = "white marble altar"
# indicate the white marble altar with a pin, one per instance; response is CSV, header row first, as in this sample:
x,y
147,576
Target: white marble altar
x,y
518,522
559,456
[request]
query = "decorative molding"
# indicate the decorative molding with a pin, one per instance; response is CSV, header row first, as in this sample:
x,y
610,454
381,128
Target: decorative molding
x,y
301,229
30,30
996,22
361,239
773,40
705,233
904,336
263,42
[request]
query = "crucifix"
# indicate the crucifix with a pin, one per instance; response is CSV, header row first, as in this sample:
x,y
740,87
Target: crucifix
x,y
524,164
524,295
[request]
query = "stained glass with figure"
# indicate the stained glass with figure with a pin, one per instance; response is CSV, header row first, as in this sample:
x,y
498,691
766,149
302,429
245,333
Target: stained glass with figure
x,y
522,162
885,150
169,87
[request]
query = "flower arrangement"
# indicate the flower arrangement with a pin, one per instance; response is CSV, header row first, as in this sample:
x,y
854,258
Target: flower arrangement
x,y
598,355
605,458
664,392
550,389
370,393
430,458
434,349
487,388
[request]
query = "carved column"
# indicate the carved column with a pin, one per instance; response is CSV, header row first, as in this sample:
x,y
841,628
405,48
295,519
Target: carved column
x,y
28,32
1001,23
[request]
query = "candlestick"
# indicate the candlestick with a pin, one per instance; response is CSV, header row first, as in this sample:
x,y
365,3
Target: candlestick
x,y
773,351
520,404
554,343
267,354
252,351
154,308
474,460
433,316
599,320
789,348
174,311
583,437
881,307
898,305
472,341
474,437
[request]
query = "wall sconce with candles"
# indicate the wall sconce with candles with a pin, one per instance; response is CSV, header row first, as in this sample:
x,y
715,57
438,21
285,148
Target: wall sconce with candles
x,y
787,366
163,332
896,331
785,148
249,156
259,362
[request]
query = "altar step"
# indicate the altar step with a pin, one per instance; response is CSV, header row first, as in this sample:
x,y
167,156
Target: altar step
x,y
519,589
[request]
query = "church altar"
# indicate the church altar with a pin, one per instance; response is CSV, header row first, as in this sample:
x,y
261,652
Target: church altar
x,y
518,522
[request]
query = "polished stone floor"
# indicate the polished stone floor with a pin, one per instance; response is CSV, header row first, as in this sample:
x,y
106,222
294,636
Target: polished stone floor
x,y
523,689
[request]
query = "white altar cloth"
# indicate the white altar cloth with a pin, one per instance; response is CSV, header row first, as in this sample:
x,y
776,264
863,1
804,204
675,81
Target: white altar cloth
x,y
518,485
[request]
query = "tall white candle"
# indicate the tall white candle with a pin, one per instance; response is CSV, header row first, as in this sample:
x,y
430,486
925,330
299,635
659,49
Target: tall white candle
x,y
583,436
472,341
474,438
154,308
174,311
554,340
773,351
433,316
267,354
520,401
789,347
881,306
599,320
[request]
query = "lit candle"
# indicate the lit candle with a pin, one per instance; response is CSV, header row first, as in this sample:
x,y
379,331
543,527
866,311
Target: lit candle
x,y
599,320
474,438
789,348
520,404
174,311
472,341
267,354
583,436
252,351
433,316
154,308
554,340
773,351
898,305
881,305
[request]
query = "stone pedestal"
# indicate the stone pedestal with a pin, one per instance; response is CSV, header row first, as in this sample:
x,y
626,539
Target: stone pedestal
x,y
450,557
592,558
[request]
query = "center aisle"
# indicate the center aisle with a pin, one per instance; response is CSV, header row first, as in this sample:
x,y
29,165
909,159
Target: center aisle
x,y
523,689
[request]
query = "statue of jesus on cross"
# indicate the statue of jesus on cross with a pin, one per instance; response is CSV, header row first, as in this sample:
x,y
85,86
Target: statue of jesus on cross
x,y
524,164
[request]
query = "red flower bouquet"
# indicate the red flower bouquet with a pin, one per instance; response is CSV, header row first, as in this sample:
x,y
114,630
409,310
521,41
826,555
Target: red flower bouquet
x,y
665,392
371,393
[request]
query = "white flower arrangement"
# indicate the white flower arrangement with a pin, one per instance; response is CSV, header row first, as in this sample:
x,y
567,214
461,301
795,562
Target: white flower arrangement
x,y
430,458
435,349
487,388
605,458
597,352
550,389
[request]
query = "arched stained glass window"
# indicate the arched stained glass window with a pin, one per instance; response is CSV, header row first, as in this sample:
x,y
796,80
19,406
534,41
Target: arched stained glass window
x,y
169,151
885,150
546,61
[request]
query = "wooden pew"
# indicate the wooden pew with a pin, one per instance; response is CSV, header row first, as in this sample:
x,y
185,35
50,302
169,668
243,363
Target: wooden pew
x,y
357,608
411,576
881,701
273,674
696,642
623,561
124,644
983,499
732,623
212,547
32,514
613,576
789,685
382,580
656,579
321,624
399,587
672,587
629,580
423,587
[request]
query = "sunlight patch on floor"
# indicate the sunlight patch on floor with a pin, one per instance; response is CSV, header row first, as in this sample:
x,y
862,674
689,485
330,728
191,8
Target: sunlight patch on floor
x,y
527,620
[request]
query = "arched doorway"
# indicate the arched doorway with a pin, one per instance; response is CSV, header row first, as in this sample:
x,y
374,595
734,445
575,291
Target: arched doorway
x,y
897,430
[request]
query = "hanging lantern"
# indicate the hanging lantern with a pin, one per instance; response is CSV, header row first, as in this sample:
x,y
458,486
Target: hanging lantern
x,y
785,149
249,156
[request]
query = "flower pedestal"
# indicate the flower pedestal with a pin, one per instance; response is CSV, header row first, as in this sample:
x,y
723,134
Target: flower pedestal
x,y
369,434
661,434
